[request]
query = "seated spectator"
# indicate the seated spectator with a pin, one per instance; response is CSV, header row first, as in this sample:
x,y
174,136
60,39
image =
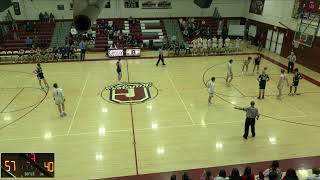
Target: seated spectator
x,y
185,176
291,175
180,21
46,17
274,172
222,175
51,18
29,27
41,17
235,175
73,31
130,20
247,175
203,23
29,42
315,174
185,33
173,177
206,175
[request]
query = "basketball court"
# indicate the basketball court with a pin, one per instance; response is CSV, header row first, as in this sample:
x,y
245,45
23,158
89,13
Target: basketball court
x,y
173,129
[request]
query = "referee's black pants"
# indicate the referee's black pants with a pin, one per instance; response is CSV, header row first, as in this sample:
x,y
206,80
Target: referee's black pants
x,y
160,58
82,54
290,67
249,122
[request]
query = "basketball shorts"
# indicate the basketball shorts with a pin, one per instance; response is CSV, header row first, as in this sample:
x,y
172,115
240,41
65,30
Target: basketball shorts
x,y
262,86
211,94
257,63
59,101
295,83
40,76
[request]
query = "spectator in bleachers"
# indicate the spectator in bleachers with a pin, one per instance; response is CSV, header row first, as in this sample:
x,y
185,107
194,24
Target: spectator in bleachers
x,y
315,174
291,175
235,175
185,176
29,42
203,23
29,27
208,33
247,175
46,17
41,17
173,177
222,175
73,31
207,175
274,172
51,18
130,20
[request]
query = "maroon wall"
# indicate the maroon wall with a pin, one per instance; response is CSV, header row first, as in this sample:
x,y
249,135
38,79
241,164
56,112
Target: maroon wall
x,y
308,57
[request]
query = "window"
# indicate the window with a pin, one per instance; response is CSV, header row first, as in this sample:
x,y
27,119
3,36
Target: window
x,y
60,7
131,3
71,6
107,4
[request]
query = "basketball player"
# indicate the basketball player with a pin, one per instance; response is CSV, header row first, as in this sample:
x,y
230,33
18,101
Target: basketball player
x,y
210,86
214,44
220,44
227,44
194,46
263,78
119,69
283,79
209,46
229,73
245,64
205,46
238,40
40,76
296,78
257,62
59,99
160,57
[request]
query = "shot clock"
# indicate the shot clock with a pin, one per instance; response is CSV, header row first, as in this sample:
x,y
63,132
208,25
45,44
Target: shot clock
x,y
21,165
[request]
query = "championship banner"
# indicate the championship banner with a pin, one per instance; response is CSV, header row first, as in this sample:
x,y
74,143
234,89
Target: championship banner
x,y
257,6
156,4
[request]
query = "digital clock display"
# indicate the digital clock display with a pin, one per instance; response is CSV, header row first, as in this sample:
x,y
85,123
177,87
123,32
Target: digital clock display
x,y
27,165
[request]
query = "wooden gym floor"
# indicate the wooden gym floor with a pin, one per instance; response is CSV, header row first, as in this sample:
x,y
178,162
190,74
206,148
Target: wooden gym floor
x,y
175,130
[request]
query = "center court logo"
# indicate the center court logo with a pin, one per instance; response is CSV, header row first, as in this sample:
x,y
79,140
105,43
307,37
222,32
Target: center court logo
x,y
127,93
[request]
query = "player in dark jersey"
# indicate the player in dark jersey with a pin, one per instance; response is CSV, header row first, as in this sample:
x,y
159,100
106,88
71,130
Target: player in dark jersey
x,y
257,62
119,70
263,78
40,76
296,78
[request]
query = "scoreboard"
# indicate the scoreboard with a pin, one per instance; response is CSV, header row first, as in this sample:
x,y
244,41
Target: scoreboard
x,y
19,165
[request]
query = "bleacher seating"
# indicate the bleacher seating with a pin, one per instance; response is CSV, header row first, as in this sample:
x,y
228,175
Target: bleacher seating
x,y
43,32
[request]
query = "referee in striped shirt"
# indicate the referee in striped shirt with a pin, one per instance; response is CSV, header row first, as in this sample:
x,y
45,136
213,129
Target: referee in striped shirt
x,y
251,116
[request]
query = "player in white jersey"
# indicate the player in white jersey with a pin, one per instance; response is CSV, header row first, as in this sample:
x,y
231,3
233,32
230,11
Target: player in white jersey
x,y
214,43
229,73
209,45
204,46
220,44
194,46
238,41
210,86
59,99
227,44
283,79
